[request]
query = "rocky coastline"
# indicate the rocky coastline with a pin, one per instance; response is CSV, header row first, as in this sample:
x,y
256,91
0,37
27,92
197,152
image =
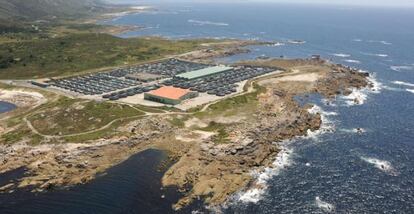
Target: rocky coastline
x,y
205,166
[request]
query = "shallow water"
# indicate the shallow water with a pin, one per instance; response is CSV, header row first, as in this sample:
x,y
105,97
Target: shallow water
x,y
6,107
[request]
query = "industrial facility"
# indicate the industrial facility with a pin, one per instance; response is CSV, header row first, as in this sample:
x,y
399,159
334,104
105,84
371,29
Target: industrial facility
x,y
167,81
205,72
170,95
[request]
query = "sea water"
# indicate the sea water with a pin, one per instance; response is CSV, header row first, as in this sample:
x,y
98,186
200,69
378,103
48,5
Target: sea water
x,y
363,162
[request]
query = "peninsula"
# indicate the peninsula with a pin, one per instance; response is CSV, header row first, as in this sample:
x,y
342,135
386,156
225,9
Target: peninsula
x,y
87,101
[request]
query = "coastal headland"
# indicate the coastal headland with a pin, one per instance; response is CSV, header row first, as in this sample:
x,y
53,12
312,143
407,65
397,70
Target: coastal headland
x,y
216,146
64,138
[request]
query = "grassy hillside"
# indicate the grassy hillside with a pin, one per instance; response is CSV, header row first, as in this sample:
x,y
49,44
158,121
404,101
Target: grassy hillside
x,y
31,10
79,52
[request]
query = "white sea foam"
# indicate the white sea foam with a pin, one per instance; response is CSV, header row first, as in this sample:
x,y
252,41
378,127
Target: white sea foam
x,y
359,96
294,41
376,86
403,83
410,90
402,67
353,61
343,55
283,159
277,44
385,43
253,195
382,55
355,130
382,165
357,40
201,23
327,124
324,206
381,42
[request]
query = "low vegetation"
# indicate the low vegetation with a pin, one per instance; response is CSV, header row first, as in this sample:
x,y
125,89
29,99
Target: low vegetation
x,y
74,53
242,104
69,116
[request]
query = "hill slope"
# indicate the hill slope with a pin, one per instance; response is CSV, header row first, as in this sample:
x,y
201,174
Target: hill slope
x,y
30,10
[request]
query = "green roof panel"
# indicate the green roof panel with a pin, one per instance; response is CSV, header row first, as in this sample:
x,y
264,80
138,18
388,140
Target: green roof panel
x,y
204,72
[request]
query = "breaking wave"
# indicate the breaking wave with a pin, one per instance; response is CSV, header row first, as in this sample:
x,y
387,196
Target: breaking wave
x,y
355,130
381,42
327,124
403,83
402,67
359,96
377,54
253,195
341,55
277,44
324,206
353,61
410,90
283,159
381,55
357,40
382,165
201,23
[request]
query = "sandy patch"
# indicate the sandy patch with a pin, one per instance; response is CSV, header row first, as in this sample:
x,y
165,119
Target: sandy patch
x,y
311,77
194,136
22,98
195,122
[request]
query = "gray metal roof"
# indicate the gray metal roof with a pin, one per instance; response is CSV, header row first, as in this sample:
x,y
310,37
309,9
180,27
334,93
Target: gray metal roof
x,y
204,72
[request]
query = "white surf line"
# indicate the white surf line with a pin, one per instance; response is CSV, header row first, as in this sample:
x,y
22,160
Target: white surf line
x,y
352,61
327,124
354,130
403,83
380,41
284,159
324,206
410,90
382,55
400,68
201,23
343,55
383,165
359,96
254,195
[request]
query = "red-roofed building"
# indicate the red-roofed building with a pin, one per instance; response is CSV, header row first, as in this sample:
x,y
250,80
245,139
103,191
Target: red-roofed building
x,y
170,95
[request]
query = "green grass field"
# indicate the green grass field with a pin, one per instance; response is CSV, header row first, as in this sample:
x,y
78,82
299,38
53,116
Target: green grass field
x,y
80,52
70,116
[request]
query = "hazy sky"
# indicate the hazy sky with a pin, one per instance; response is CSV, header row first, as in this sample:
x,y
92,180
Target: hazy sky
x,y
394,3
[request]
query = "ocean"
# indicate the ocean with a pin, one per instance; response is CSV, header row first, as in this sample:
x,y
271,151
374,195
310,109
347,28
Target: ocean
x,y
337,169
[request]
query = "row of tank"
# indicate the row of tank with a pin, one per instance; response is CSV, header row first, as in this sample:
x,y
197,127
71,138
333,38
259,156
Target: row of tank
x,y
94,84
169,68
220,84
130,92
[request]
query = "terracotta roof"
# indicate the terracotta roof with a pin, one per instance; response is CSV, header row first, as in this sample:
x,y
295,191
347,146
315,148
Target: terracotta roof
x,y
170,92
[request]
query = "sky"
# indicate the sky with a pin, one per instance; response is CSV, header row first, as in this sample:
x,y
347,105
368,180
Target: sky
x,y
388,3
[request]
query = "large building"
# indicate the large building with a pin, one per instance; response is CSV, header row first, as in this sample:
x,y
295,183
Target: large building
x,y
204,72
143,77
170,95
